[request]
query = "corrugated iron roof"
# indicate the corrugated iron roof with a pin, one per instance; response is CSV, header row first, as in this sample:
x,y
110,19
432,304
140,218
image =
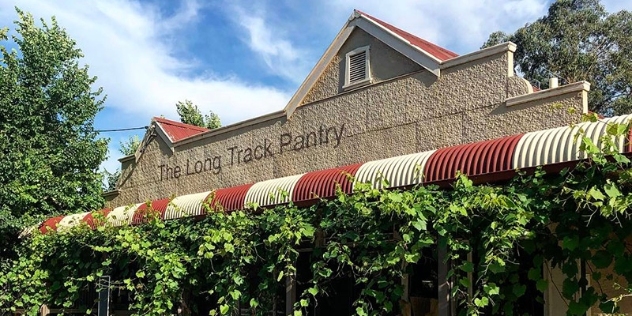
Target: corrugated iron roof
x,y
230,199
273,192
178,131
122,215
323,183
187,205
432,49
50,224
159,206
93,222
396,172
562,144
471,159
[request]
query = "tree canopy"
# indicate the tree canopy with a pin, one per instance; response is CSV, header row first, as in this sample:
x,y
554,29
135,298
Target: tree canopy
x,y
129,146
49,149
126,148
191,114
578,40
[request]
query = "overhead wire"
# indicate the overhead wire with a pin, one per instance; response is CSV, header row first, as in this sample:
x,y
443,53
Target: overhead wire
x,y
120,129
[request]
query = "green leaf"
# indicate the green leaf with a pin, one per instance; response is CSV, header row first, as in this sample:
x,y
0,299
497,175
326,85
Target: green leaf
x,y
542,285
223,309
570,242
611,190
607,306
596,275
235,294
576,308
491,289
467,267
602,259
481,302
395,197
569,288
519,289
420,225
465,282
534,274
496,268
313,291
596,194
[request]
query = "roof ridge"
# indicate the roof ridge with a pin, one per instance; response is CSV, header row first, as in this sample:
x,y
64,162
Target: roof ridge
x,y
180,124
437,51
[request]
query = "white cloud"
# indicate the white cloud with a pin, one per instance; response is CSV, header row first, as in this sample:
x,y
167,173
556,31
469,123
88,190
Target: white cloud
x,y
133,50
460,25
128,45
272,45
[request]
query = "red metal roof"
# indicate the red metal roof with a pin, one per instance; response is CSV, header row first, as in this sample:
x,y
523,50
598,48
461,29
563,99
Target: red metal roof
x,y
472,159
231,199
92,222
156,206
323,183
178,131
50,224
432,49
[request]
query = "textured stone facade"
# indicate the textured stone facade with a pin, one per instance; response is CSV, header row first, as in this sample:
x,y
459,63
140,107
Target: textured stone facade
x,y
405,110
386,63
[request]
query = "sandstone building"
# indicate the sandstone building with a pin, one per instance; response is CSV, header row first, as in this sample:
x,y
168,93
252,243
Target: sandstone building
x,y
379,101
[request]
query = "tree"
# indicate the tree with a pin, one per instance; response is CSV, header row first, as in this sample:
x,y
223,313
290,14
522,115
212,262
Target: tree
x,y
129,146
111,179
578,40
190,114
126,148
49,149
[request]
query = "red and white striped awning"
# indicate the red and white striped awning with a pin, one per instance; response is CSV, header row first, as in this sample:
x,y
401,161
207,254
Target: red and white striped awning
x,y
486,161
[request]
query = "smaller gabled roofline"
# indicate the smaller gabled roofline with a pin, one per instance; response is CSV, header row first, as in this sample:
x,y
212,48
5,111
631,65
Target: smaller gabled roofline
x,y
232,127
173,132
178,124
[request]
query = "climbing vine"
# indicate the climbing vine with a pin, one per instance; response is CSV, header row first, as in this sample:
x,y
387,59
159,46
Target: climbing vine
x,y
496,239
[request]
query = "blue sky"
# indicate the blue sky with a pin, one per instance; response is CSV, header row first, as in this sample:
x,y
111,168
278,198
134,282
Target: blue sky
x,y
240,58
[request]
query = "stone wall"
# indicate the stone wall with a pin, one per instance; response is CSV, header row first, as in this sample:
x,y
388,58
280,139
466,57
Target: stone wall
x,y
386,63
401,115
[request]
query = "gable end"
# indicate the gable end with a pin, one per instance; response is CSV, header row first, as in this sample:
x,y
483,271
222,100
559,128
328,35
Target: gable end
x,y
412,47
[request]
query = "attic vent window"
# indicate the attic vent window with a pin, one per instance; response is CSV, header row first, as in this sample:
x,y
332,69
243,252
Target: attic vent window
x,y
357,68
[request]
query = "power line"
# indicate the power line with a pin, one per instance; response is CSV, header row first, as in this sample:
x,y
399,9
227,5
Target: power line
x,y
120,129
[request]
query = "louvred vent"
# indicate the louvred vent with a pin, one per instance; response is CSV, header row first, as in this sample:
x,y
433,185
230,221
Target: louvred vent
x,y
357,67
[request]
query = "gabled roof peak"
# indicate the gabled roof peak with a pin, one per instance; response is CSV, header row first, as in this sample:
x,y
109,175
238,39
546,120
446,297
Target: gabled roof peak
x,y
435,50
420,51
177,131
